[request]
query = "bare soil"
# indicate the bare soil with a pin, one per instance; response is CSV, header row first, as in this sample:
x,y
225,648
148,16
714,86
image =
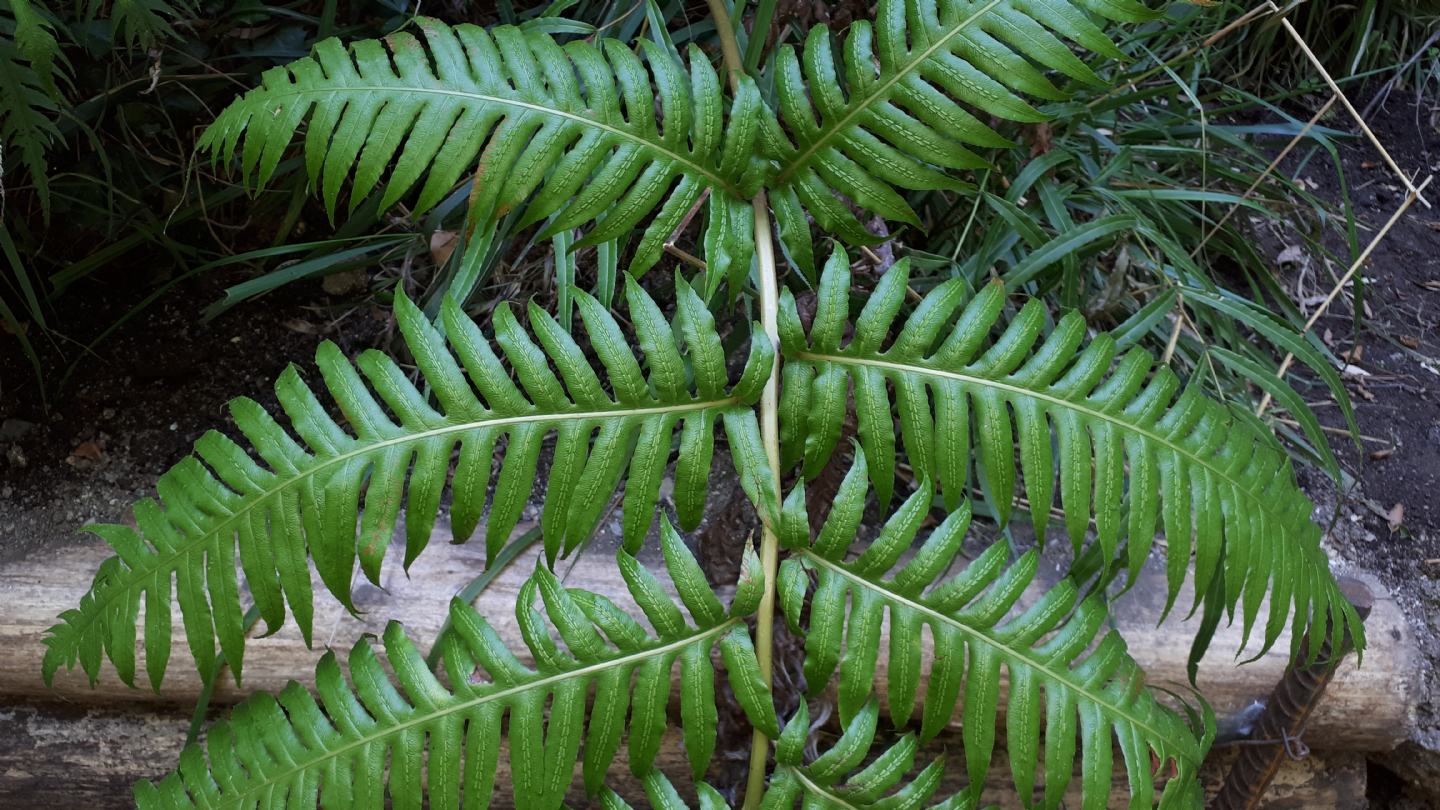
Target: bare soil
x,y
132,409
1388,521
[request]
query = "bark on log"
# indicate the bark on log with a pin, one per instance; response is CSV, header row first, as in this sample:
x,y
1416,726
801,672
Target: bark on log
x,y
68,757
1370,708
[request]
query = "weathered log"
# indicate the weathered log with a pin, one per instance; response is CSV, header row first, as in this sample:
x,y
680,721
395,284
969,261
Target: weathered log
x,y
1370,708
68,757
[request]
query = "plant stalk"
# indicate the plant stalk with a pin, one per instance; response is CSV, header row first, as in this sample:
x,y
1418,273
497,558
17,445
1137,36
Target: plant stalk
x,y
769,421
770,436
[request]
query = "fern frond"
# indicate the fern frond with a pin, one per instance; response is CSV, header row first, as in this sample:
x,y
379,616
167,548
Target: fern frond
x,y
846,775
307,492
443,741
663,795
909,96
1131,454
34,36
835,779
1059,656
577,126
29,96
138,23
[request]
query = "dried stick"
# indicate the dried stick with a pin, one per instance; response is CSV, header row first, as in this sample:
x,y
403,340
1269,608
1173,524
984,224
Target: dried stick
x,y
1335,88
1299,136
1345,279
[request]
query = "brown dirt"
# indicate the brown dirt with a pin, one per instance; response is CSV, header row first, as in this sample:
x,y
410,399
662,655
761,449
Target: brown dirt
x,y
137,405
1388,521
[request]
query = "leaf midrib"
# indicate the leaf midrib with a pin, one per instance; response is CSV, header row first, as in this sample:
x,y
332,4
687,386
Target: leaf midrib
x,y
816,789
164,563
428,717
689,163
880,92
1129,427
1014,654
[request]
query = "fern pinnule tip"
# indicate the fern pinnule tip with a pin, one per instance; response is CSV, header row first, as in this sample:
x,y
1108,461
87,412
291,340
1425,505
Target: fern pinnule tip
x,y
750,587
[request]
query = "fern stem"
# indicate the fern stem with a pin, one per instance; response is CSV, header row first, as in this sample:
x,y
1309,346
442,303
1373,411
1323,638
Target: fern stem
x,y
729,45
770,436
769,420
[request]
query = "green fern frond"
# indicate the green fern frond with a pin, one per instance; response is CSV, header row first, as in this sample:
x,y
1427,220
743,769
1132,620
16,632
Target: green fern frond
x,y
663,795
138,23
845,775
35,40
1060,658
835,780
577,126
908,98
306,496
1132,455
443,741
29,96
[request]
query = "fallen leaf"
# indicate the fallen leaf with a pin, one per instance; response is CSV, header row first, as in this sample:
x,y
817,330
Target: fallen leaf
x,y
90,451
1395,517
442,244
249,33
1354,372
1410,341
1042,142
344,283
1432,284
1292,254
87,456
301,326
1328,337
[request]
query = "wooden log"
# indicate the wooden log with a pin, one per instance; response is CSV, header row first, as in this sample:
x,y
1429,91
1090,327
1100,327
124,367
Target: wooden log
x,y
1366,709
71,757
86,757
89,757
1369,707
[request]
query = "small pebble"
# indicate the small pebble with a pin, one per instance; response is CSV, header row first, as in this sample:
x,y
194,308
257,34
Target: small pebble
x,y
12,429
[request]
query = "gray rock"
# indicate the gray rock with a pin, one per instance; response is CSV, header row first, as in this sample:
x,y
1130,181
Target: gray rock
x,y
12,429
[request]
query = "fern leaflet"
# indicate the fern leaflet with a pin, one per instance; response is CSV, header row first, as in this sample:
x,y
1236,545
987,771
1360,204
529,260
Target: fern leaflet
x,y
1122,440
1057,653
306,497
908,99
444,742
574,125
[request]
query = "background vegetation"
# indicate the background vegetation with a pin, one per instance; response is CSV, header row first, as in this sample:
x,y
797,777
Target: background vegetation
x,y
1120,209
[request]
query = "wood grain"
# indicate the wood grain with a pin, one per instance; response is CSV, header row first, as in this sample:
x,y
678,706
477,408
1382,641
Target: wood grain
x,y
66,757
74,745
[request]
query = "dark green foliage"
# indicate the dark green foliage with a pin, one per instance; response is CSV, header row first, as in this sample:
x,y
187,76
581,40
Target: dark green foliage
x,y
1135,451
907,99
613,139
334,495
443,740
518,109
1057,656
